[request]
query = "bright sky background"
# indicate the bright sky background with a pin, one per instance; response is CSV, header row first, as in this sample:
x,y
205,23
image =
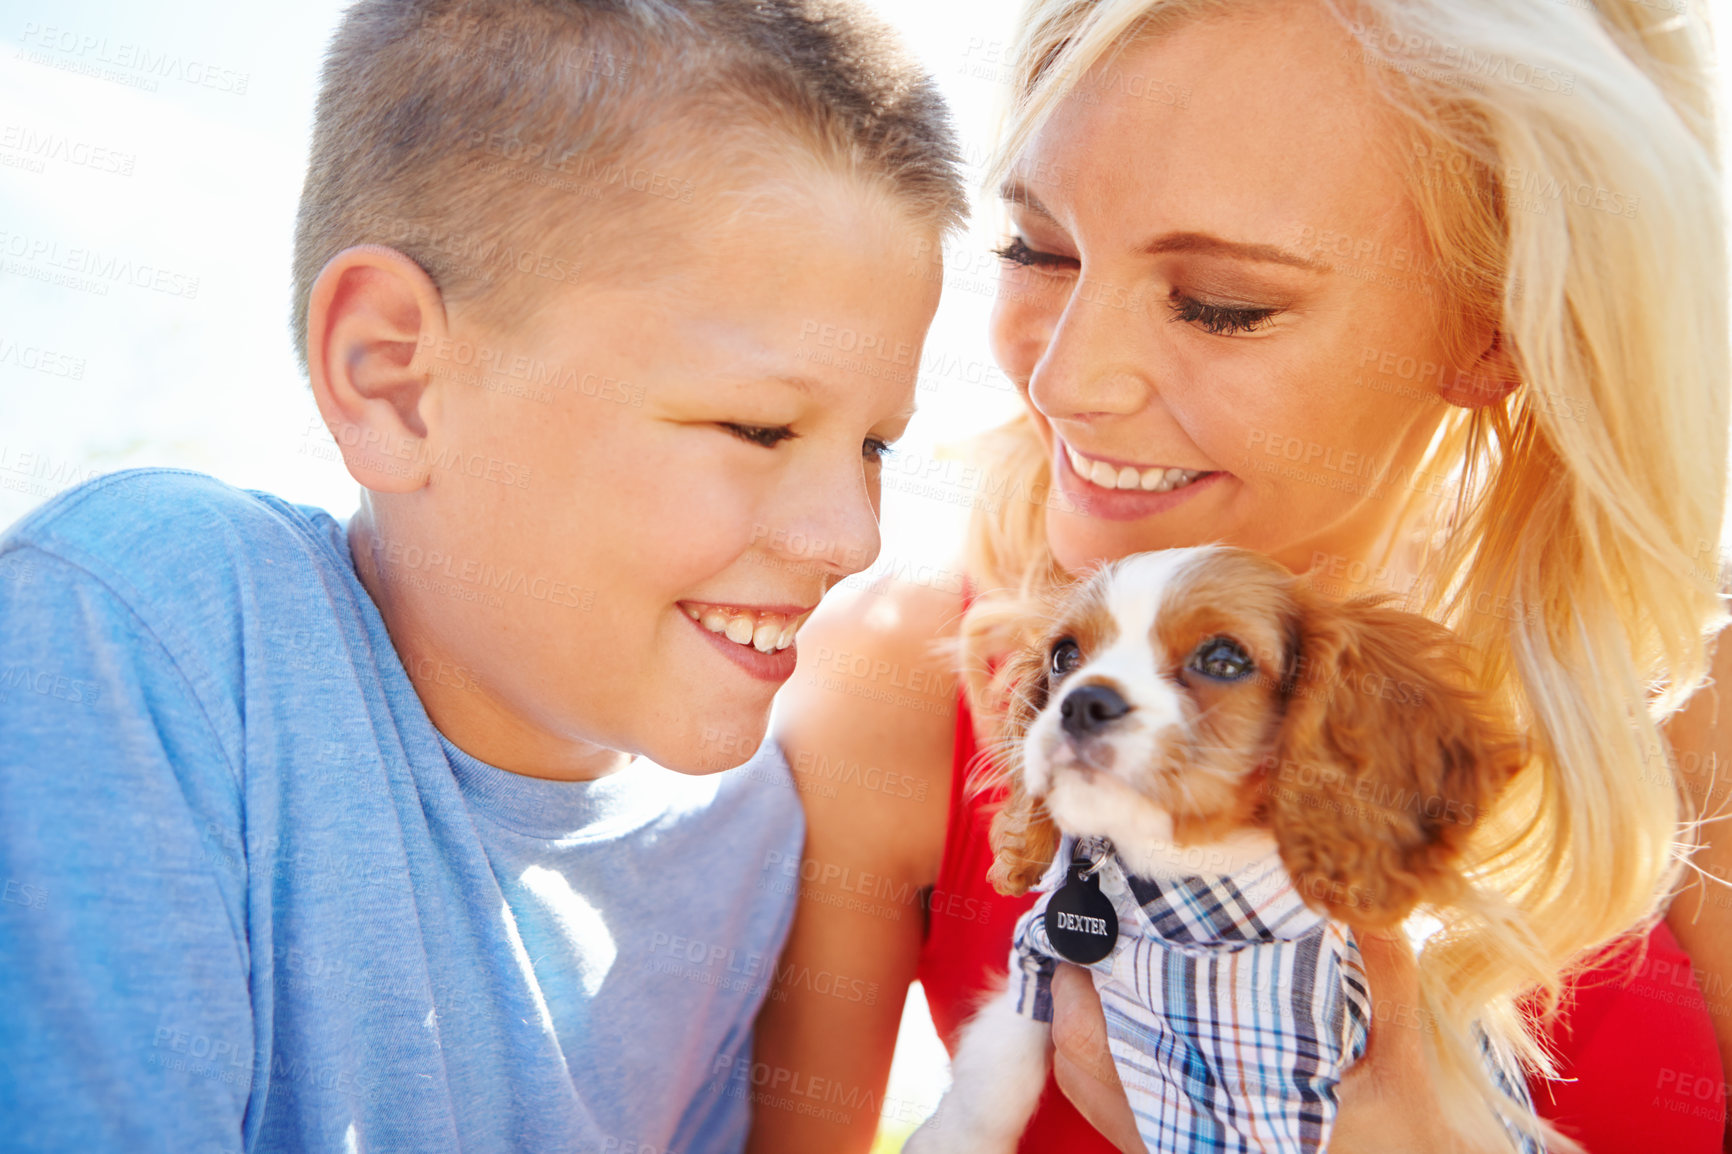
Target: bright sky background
x,y
207,190
201,182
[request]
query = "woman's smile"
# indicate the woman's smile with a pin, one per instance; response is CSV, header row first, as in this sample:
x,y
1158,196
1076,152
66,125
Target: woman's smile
x,y
1107,474
1120,493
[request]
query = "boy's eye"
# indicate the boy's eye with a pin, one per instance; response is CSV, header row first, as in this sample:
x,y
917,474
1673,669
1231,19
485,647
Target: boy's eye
x,y
1222,320
873,449
767,436
1017,252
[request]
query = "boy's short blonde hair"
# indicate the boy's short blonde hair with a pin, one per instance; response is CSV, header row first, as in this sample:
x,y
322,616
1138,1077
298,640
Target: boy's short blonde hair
x,y
509,145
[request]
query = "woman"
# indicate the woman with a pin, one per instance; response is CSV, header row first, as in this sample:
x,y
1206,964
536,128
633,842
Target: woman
x,y
1425,296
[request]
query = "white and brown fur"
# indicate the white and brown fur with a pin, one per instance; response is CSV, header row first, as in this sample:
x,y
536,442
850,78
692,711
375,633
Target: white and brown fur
x,y
1347,701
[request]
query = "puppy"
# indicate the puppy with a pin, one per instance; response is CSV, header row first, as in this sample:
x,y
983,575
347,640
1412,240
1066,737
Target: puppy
x,y
1216,773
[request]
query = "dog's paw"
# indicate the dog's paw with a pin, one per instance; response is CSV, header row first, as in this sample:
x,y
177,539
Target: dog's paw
x,y
922,1141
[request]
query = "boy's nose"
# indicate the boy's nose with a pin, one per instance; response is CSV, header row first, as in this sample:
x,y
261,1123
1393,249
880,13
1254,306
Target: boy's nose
x,y
832,528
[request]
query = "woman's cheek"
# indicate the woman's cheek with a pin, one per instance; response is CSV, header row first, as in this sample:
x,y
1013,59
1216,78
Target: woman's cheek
x,y
1024,315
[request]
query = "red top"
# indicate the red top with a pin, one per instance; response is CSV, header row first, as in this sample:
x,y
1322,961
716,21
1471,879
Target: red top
x,y
1636,1046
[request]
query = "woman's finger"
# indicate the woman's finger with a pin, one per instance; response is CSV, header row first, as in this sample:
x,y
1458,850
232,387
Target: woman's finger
x,y
1082,1064
1388,1101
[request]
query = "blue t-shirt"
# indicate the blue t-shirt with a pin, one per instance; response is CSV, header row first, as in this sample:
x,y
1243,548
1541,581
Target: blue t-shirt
x,y
250,899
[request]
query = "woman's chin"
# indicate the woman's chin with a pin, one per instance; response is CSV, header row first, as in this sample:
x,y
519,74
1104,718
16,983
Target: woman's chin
x,y
1080,542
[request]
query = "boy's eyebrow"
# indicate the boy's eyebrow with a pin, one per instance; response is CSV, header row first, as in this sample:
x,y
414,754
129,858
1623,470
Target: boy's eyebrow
x,y
904,418
788,380
808,387
1204,243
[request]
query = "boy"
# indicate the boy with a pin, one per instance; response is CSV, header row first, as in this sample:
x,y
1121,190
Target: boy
x,y
322,837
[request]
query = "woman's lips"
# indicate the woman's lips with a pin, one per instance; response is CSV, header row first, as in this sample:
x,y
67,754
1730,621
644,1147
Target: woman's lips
x,y
1121,475
1120,504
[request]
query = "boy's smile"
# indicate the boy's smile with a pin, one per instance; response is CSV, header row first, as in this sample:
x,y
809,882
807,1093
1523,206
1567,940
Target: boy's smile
x,y
766,629
702,506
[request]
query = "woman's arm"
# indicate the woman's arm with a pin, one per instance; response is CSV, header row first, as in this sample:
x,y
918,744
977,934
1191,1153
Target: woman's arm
x,y
1701,914
868,733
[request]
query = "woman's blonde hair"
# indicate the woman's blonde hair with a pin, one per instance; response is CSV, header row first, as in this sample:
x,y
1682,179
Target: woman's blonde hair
x,y
1594,493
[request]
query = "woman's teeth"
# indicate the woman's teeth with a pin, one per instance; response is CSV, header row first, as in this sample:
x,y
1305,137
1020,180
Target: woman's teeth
x,y
1155,480
765,632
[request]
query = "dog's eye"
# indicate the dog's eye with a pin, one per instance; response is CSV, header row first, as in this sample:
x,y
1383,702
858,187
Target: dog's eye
x,y
1066,656
1222,659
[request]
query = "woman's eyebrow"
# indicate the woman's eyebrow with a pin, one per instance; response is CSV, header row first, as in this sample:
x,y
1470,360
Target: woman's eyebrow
x,y
1015,192
1208,244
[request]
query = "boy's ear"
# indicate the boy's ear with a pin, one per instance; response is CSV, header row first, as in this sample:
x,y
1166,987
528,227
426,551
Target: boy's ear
x,y
371,310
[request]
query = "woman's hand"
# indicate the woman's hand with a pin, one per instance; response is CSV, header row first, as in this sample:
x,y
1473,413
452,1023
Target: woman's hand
x,y
1081,1062
1387,1101
1387,1098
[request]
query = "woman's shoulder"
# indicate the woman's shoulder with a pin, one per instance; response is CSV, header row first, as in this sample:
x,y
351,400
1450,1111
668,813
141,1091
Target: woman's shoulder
x,y
891,617
868,720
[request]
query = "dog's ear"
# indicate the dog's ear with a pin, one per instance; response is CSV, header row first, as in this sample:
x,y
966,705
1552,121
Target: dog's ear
x,y
1023,836
1387,757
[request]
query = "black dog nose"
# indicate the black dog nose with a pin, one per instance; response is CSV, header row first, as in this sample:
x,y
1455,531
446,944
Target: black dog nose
x,y
1088,709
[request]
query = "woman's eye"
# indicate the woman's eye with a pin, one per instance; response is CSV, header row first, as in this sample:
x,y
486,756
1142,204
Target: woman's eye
x,y
1221,320
876,450
767,436
1066,656
1222,659
1017,252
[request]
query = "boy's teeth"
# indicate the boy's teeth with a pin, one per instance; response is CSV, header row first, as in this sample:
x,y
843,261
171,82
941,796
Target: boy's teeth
x,y
1152,480
765,632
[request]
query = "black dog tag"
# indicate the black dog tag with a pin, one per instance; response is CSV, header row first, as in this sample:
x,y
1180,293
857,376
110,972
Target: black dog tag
x,y
1080,922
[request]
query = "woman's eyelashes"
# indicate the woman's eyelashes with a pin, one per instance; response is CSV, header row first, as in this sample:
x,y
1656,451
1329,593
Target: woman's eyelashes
x,y
1218,319
874,449
1222,320
1016,251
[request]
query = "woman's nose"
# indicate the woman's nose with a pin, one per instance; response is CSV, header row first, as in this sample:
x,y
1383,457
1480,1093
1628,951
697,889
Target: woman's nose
x,y
1095,362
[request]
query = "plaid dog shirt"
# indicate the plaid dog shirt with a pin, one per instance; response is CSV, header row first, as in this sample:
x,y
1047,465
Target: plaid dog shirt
x,y
1232,1008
